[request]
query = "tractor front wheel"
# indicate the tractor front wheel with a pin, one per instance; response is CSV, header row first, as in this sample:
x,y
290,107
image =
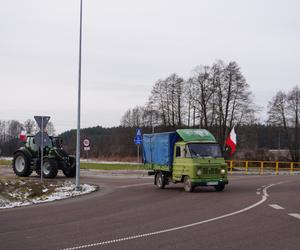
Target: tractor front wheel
x,y
49,168
70,171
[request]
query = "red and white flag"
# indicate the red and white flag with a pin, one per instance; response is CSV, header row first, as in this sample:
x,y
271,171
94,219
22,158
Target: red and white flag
x,y
22,135
231,141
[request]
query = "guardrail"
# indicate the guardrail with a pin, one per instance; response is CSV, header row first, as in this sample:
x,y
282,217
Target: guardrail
x,y
262,166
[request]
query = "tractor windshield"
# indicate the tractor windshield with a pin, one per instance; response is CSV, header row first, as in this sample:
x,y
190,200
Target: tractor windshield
x,y
205,150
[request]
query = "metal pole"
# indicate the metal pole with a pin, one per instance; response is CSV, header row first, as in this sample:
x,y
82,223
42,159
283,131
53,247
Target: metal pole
x,y
138,153
78,107
42,149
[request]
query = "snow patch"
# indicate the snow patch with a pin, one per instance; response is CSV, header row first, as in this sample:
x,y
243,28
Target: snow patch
x,y
66,190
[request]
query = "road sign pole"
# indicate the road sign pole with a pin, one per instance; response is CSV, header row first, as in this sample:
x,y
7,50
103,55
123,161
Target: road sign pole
x,y
138,153
78,107
42,150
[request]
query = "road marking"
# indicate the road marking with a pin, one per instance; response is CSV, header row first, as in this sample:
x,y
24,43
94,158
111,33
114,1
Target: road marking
x,y
101,243
258,193
136,185
275,206
295,215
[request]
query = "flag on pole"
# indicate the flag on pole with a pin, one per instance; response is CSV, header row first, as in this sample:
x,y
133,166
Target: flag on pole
x,y
22,135
231,141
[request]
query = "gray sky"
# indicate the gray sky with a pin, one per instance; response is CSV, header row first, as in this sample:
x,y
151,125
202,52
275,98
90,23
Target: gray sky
x,y
128,45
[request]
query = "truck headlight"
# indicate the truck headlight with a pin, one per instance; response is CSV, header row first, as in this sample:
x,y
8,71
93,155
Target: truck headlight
x,y
223,171
199,172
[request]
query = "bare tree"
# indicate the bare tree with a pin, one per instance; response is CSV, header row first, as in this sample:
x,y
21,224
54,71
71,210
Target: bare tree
x,y
30,126
50,129
284,111
14,129
126,119
134,117
233,97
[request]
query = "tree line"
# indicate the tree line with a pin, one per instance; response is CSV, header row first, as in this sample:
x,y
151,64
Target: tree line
x,y
216,97
10,131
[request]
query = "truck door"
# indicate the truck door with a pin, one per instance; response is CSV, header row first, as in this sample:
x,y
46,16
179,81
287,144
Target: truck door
x,y
179,164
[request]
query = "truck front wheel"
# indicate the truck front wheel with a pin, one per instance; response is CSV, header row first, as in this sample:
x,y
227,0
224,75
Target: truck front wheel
x,y
160,180
220,187
187,184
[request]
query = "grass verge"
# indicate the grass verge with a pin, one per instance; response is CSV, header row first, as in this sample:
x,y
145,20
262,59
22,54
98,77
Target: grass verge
x,y
97,166
5,162
108,166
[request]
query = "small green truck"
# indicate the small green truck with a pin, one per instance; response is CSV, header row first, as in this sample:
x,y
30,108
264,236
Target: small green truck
x,y
188,156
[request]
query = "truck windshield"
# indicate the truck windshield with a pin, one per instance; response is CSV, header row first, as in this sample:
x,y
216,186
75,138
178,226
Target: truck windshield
x,y
204,150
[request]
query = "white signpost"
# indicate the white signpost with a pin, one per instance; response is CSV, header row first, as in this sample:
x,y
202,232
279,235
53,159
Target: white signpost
x,y
41,138
86,147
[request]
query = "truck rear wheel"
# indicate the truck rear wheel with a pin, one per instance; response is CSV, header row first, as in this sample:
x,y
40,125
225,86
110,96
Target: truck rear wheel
x,y
160,180
187,184
21,165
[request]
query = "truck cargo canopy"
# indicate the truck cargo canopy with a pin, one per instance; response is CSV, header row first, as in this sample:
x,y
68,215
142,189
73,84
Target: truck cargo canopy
x,y
159,148
201,135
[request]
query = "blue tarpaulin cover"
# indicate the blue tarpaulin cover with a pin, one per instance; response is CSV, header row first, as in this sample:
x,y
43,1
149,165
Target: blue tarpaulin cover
x,y
159,148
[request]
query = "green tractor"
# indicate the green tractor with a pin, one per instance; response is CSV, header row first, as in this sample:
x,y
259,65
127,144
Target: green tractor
x,y
28,159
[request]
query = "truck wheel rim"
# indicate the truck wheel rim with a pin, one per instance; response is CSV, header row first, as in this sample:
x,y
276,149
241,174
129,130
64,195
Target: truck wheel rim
x,y
47,168
159,181
187,184
20,163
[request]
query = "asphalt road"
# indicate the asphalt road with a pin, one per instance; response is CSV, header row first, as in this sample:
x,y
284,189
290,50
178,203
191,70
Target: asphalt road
x,y
253,212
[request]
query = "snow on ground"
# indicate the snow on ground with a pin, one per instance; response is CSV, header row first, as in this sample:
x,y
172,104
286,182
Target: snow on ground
x,y
24,196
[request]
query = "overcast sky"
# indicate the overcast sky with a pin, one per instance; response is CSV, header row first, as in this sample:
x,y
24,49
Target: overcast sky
x,y
128,45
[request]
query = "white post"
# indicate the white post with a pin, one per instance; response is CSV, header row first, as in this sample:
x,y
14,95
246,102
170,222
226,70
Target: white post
x,y
78,107
42,149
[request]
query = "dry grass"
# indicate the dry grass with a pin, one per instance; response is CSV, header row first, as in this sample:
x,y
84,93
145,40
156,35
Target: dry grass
x,y
15,189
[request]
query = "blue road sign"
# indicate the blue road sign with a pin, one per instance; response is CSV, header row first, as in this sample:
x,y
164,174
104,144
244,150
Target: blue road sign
x,y
138,140
138,132
138,137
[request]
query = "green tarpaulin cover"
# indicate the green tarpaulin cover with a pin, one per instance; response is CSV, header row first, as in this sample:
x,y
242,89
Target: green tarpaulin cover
x,y
196,135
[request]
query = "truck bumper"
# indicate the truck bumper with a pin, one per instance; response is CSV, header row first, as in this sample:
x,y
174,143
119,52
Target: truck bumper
x,y
214,182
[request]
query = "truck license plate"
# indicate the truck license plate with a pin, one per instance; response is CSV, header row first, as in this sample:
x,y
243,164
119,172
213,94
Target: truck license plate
x,y
212,183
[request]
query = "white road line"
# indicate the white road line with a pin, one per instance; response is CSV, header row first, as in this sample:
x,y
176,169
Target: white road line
x,y
136,185
263,199
275,206
258,193
295,215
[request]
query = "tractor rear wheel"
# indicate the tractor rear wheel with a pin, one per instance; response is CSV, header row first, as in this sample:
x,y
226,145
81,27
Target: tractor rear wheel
x,y
21,165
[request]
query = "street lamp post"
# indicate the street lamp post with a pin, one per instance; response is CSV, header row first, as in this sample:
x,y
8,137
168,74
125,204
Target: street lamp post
x,y
78,107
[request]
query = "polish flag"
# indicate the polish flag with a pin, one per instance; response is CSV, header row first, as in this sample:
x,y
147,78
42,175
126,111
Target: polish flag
x,y
231,141
22,135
